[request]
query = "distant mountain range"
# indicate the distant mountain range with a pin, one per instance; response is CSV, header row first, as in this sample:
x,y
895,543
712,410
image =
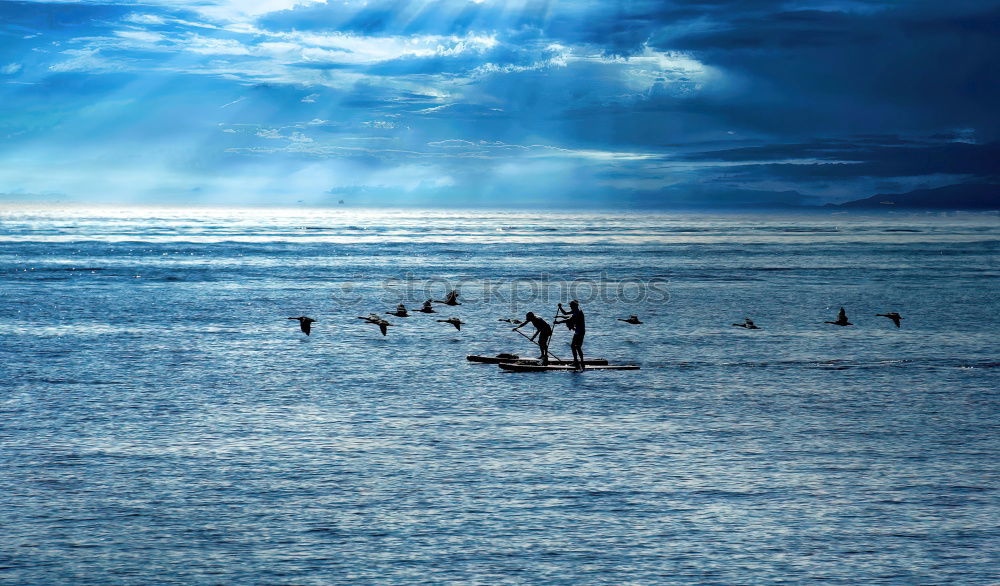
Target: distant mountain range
x,y
966,196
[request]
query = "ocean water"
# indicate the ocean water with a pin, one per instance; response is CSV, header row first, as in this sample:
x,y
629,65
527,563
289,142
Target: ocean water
x,y
161,421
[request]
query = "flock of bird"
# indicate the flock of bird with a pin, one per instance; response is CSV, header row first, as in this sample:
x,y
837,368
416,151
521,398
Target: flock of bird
x,y
305,323
842,318
840,321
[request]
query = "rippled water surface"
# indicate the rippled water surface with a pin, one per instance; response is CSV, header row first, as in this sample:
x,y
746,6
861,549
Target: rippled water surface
x,y
161,420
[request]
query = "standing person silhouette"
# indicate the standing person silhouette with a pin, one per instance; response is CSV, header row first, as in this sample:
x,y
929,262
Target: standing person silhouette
x,y
574,320
542,329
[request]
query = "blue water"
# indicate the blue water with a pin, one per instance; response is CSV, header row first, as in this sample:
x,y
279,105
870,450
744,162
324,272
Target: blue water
x,y
162,422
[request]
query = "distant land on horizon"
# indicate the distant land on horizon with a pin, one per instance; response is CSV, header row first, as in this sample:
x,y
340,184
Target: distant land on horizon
x,y
958,197
966,196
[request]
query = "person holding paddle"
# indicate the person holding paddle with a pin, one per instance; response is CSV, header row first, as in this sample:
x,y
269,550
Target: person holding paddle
x,y
542,330
575,321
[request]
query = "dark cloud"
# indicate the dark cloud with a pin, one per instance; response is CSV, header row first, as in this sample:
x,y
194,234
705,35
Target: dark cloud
x,y
809,72
784,31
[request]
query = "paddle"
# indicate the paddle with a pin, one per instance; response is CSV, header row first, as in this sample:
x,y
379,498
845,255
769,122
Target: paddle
x,y
527,337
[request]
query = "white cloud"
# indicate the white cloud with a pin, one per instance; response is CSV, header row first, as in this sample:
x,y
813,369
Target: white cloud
x,y
143,36
383,124
87,60
241,50
296,46
362,49
651,72
11,68
240,10
157,20
270,133
212,46
145,19
489,149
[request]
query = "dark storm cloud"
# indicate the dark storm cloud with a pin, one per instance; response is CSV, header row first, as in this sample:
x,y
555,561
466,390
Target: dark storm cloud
x,y
905,68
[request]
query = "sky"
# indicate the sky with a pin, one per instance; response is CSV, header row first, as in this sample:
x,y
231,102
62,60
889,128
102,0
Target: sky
x,y
541,103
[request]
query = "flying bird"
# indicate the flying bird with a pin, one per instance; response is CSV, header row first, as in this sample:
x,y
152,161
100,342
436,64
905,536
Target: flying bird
x,y
427,307
895,317
375,319
516,322
632,319
748,324
305,323
453,321
451,298
400,311
841,319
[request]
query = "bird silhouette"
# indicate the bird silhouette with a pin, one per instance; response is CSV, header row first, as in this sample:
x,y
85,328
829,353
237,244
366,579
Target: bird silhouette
x,y
400,311
632,319
451,298
453,321
305,323
895,317
514,321
841,319
748,324
377,320
427,308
